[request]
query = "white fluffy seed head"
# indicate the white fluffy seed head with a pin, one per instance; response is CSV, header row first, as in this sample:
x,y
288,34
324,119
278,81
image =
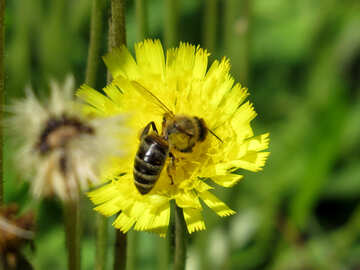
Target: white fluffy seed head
x,y
60,150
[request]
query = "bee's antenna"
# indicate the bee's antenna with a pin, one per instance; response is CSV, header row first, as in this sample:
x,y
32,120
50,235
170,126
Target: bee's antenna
x,y
212,132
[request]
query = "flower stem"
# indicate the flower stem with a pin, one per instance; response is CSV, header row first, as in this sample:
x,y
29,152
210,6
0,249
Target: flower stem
x,y
141,19
117,29
171,23
236,39
101,242
2,78
163,246
180,240
132,239
91,72
120,251
210,23
117,37
95,42
73,233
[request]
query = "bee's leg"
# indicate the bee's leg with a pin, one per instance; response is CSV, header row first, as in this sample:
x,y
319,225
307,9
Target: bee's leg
x,y
171,167
147,129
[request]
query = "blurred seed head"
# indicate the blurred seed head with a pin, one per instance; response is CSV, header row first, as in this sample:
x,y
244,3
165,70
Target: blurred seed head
x,y
61,150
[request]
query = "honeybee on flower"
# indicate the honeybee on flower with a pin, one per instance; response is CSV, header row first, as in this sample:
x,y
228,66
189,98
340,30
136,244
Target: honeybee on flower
x,y
183,84
61,151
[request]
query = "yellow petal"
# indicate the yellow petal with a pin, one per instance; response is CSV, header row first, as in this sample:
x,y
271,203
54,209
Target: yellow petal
x,y
188,199
109,208
243,115
219,207
259,143
103,194
124,222
193,219
228,180
103,104
252,161
159,221
120,62
113,92
150,57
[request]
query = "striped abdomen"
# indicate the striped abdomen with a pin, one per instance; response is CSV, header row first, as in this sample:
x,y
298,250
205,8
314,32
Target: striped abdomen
x,y
149,161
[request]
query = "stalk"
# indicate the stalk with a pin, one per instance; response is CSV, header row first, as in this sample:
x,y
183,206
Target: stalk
x,y
93,61
117,29
96,28
236,39
132,239
163,246
120,251
180,240
2,84
73,233
210,23
171,23
141,19
117,37
101,242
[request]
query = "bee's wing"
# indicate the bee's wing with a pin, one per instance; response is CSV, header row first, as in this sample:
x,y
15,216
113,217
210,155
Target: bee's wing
x,y
150,96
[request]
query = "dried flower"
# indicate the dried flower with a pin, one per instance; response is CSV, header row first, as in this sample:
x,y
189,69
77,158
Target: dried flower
x,y
60,149
184,84
15,232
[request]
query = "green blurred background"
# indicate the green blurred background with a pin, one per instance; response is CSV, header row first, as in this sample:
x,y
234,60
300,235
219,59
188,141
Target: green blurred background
x,y
301,61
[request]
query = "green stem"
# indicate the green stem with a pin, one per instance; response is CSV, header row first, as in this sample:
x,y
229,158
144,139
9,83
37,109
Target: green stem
x,y
93,62
120,251
163,253
73,233
96,27
236,39
101,242
141,19
117,30
210,23
171,23
117,37
2,79
180,240
131,250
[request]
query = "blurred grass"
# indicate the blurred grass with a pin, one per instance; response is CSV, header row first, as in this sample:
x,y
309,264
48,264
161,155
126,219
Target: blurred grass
x,y
303,64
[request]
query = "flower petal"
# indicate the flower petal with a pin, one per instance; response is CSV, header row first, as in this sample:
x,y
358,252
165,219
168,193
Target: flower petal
x,y
219,207
120,62
150,57
193,219
228,180
188,199
124,222
252,161
105,106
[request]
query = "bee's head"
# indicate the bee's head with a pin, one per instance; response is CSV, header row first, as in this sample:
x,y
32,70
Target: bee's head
x,y
180,132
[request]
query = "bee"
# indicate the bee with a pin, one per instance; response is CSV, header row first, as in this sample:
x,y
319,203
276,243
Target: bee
x,y
179,132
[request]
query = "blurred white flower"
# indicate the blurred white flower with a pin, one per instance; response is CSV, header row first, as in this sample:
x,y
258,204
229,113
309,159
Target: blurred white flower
x,y
62,151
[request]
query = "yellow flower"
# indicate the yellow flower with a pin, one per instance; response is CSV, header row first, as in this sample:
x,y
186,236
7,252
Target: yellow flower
x,y
183,82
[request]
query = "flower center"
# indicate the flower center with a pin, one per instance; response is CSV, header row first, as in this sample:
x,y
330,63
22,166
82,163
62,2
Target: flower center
x,y
59,131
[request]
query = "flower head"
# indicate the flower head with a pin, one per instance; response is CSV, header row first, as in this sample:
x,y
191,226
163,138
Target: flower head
x,y
61,150
164,90
15,232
